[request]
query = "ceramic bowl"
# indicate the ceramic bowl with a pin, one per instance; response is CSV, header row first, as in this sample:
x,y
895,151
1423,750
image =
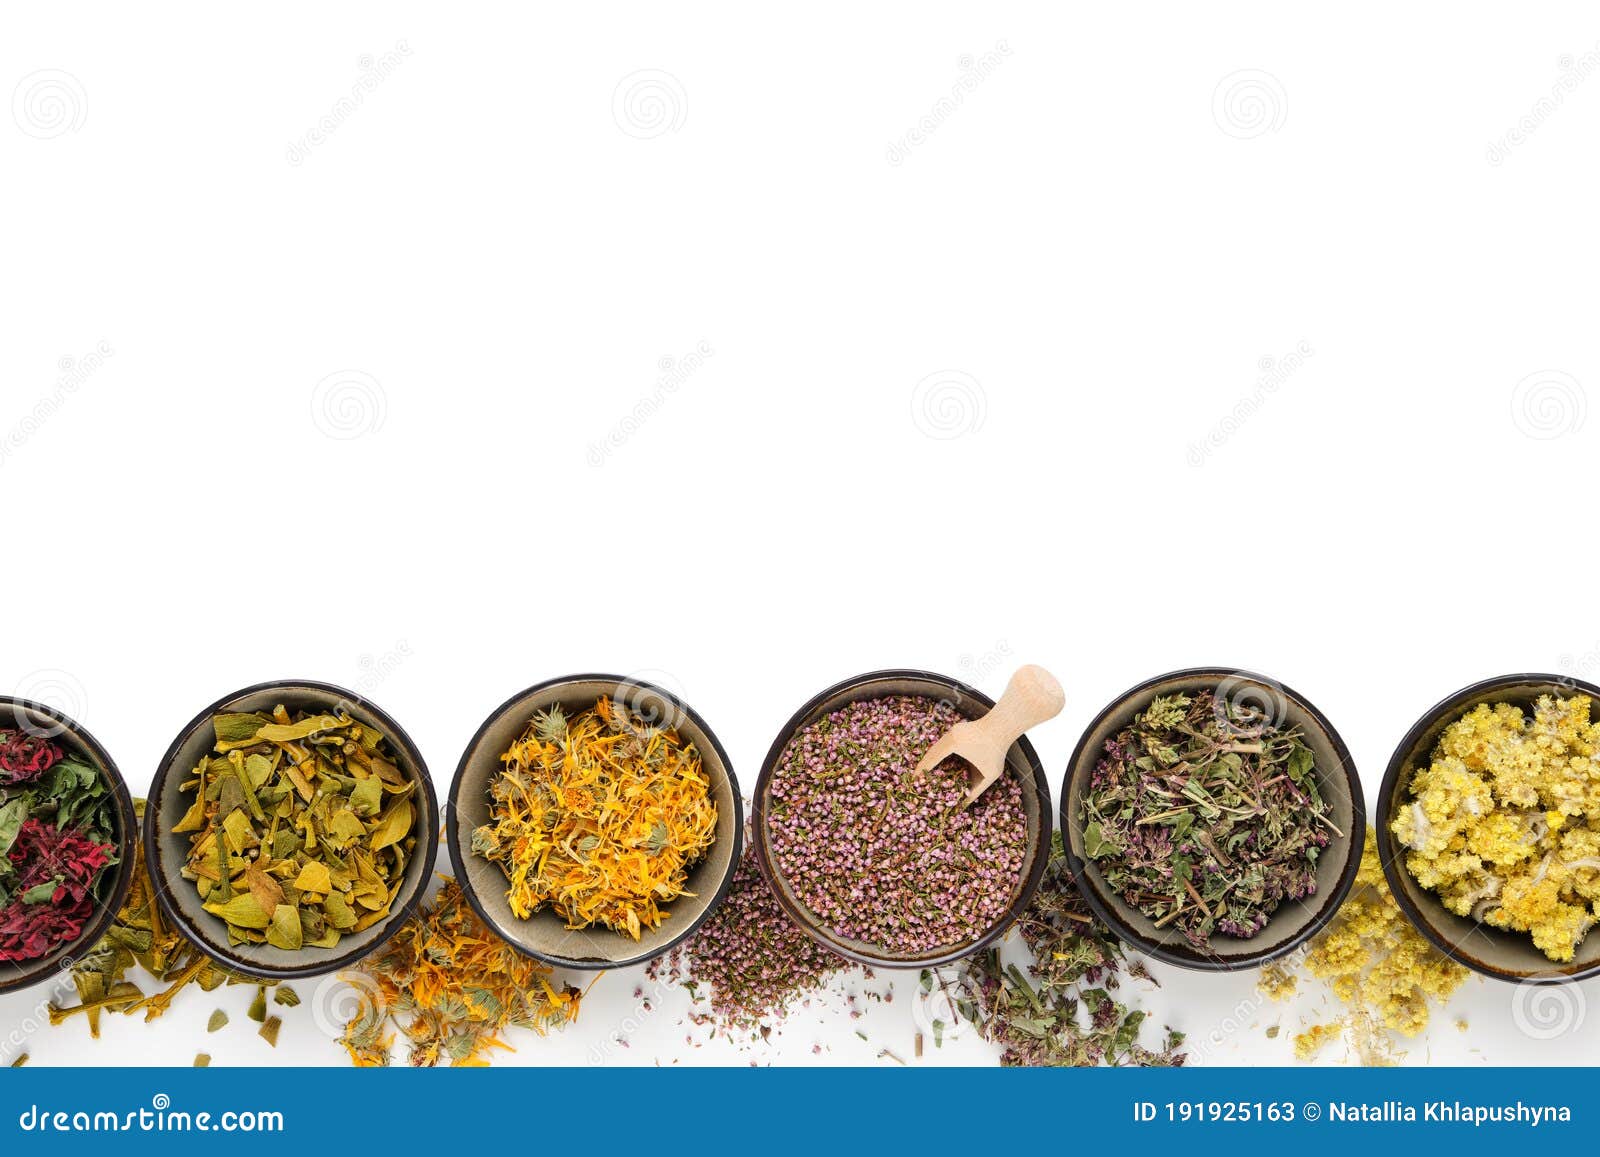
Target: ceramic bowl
x,y
168,850
1021,761
1295,921
20,714
1492,951
545,935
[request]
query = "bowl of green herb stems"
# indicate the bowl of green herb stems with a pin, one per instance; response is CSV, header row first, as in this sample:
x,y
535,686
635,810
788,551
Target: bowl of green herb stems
x,y
291,829
1213,818
68,838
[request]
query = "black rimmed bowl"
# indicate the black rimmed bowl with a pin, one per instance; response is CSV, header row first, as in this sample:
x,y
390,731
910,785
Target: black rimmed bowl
x,y
545,935
1295,921
48,723
168,851
1021,761
1495,952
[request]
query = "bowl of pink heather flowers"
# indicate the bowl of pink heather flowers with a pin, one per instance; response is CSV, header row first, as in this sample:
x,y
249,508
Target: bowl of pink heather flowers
x,y
884,864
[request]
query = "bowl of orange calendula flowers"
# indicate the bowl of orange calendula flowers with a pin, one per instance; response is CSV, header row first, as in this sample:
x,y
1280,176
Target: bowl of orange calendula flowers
x,y
595,821
1489,827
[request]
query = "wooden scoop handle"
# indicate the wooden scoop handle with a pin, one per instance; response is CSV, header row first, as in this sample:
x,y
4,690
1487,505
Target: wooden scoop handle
x,y
1032,697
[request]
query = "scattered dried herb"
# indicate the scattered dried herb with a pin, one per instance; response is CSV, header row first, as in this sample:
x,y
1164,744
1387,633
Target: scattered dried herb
x,y
303,826
202,1060
1068,1013
1206,815
452,987
1504,823
285,996
217,1021
880,853
139,936
1375,962
269,1030
600,816
751,958
57,838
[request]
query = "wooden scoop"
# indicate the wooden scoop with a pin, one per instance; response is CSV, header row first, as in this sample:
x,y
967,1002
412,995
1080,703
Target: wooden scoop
x,y
1032,696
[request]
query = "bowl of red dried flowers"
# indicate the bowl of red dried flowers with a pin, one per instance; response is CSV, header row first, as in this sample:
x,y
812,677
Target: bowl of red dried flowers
x,y
879,863
1213,818
595,821
67,842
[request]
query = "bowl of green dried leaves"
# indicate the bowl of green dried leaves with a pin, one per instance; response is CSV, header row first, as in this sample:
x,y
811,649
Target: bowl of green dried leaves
x,y
291,829
67,842
1213,818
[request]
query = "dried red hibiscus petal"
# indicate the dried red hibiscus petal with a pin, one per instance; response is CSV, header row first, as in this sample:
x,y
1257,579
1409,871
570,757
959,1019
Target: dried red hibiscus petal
x,y
43,856
25,757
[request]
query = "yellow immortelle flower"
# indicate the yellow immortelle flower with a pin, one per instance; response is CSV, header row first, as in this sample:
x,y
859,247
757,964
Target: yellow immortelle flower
x,y
1311,1042
1504,824
1373,960
1277,983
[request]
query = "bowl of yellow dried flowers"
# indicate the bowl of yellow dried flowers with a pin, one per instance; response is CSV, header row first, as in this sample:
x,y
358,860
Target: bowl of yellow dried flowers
x,y
595,821
291,829
1213,818
1489,827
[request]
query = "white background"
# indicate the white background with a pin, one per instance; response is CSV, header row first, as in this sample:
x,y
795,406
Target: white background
x,y
387,410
